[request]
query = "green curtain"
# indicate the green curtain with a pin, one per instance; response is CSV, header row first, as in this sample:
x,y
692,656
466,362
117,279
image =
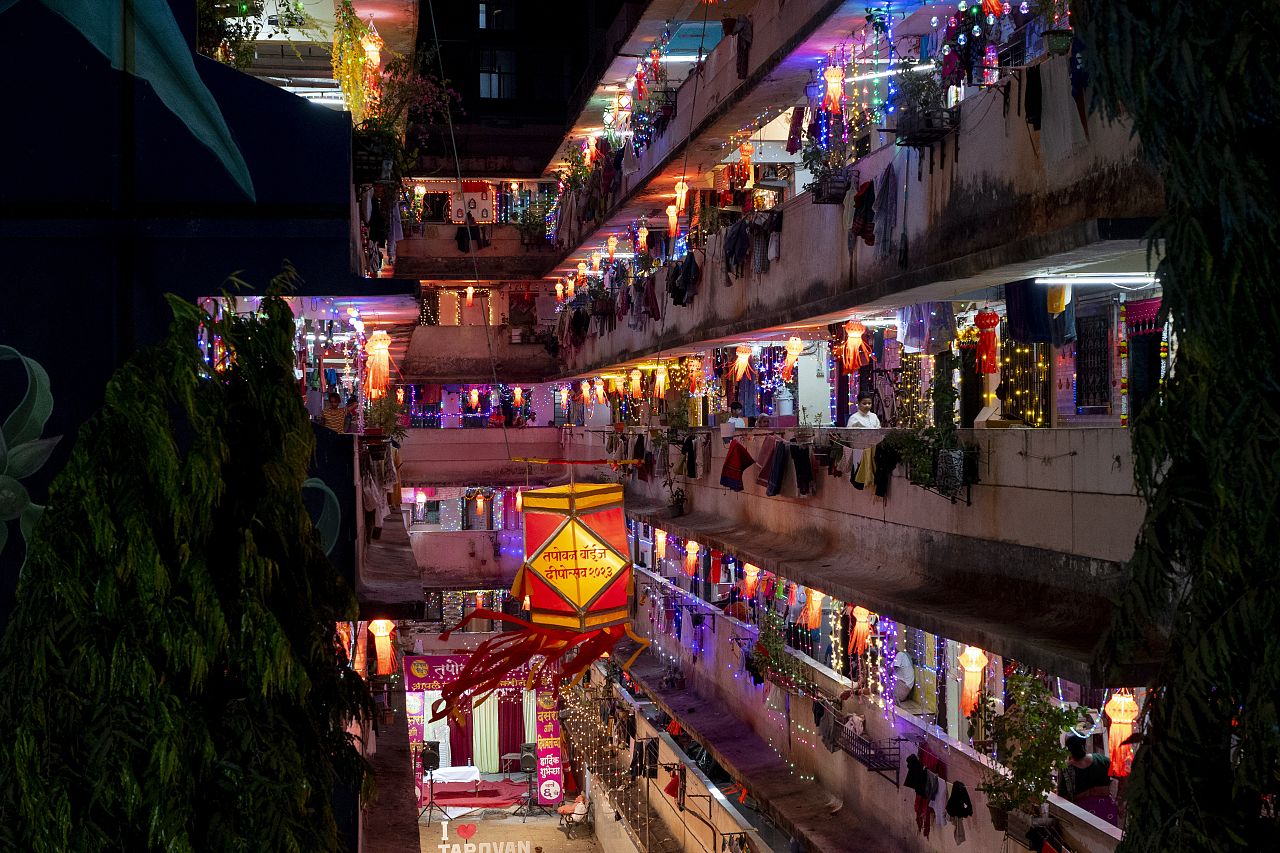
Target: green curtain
x,y
484,735
530,716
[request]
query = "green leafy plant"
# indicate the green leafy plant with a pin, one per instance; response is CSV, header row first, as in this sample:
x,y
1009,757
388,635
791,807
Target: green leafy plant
x,y
350,67
226,29
22,451
1204,591
769,656
170,678
1027,740
825,163
533,218
386,414
918,90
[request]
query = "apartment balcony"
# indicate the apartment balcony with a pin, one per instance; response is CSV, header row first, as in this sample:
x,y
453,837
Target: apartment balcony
x,y
992,203
451,354
432,251
476,457
1028,570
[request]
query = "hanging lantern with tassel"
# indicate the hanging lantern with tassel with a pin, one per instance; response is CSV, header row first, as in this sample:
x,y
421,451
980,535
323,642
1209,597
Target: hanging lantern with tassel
x,y
861,631
573,288
584,388
378,366
400,396
795,346
360,658
682,194
597,385
582,269
517,396
381,630
637,389
1122,709
834,77
811,616
659,544
612,244
660,382
559,291
480,506
673,220
520,503
642,238
742,363
473,397
575,582
471,296
974,663
691,550
750,580
595,260
855,353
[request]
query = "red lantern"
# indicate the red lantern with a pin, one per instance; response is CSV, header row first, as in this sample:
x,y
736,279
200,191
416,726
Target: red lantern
x,y
987,322
854,352
576,580
673,220
795,346
742,363
861,630
834,77
974,662
691,551
750,580
811,616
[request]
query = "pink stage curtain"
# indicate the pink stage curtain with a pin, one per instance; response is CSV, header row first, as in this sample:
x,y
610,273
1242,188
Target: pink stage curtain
x,y
460,737
510,725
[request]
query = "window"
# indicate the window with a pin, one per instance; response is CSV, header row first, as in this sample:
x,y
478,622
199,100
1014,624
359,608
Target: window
x,y
497,16
497,74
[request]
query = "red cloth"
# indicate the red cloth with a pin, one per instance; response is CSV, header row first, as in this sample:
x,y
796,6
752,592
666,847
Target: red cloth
x,y
510,725
736,460
460,736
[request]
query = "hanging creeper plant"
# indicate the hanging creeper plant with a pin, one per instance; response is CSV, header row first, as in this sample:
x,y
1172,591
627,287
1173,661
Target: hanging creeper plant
x,y
170,678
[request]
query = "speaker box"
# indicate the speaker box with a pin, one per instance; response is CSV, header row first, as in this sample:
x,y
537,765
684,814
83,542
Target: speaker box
x,y
431,755
528,758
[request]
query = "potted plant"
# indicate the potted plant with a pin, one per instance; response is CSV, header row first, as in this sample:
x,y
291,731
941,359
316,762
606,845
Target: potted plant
x,y
675,500
919,102
385,419
1027,745
1056,20
829,168
532,222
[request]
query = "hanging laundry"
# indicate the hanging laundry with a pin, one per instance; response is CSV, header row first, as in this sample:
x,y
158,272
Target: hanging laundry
x,y
736,461
886,212
864,217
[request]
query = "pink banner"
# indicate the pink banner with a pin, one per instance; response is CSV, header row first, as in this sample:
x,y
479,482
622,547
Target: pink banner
x,y
433,672
550,771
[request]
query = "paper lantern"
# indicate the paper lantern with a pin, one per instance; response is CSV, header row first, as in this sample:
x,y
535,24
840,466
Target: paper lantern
x,y
861,630
359,660
693,367
673,220
742,363
811,616
381,630
987,322
608,118
420,497
377,351
400,396
595,260
637,390
371,42
597,385
585,388
682,193
642,239
612,244
973,661
517,396
659,544
520,503
479,507
582,269
471,295
834,77
576,580
1122,709
745,150
691,550
474,398
559,292
750,580
854,352
660,382
573,289
795,346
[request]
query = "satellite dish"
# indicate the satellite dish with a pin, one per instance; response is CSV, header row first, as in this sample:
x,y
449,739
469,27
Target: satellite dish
x,y
904,671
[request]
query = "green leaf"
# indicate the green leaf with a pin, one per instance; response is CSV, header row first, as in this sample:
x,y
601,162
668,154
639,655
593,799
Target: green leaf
x,y
142,38
26,459
28,419
13,498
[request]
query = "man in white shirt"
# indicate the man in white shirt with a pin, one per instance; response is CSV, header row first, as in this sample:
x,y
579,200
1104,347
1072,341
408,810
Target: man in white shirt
x,y
864,418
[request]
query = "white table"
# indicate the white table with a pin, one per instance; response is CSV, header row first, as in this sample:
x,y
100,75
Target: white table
x,y
456,774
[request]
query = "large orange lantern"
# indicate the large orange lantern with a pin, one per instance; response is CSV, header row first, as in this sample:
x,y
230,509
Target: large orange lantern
x,y
691,552
582,268
381,630
559,292
597,386
1122,709
642,239
855,352
378,352
682,194
974,662
473,396
517,396
595,260
637,390
659,544
673,220
750,580
861,630
471,295
585,387
612,244
834,77
573,288
811,616
660,382
795,346
742,363
576,578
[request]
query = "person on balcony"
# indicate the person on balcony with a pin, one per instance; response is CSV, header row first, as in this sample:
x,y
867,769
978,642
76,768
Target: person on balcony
x,y
334,416
1086,780
864,418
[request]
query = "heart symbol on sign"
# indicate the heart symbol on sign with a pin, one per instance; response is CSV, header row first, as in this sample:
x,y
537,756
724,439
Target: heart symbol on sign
x,y
466,830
